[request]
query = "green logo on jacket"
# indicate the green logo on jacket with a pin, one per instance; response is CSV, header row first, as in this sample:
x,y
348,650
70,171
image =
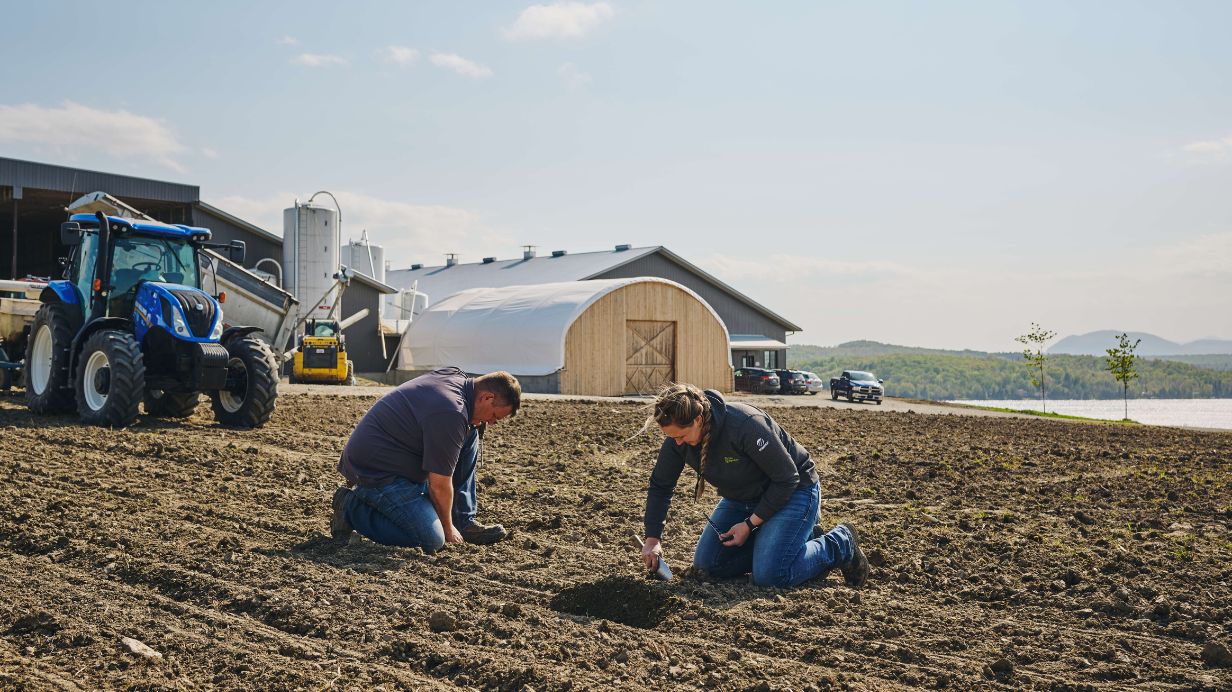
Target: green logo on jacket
x,y
730,460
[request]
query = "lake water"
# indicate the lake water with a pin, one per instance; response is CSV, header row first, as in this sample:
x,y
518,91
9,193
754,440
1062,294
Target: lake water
x,y
1192,413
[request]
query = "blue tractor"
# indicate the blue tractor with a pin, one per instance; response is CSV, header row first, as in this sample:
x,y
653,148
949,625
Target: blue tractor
x,y
130,324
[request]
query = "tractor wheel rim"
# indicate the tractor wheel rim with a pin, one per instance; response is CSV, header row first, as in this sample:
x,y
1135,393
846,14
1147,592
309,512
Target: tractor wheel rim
x,y
229,398
40,360
96,380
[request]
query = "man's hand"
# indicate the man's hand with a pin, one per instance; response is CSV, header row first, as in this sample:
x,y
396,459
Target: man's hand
x,y
452,535
651,552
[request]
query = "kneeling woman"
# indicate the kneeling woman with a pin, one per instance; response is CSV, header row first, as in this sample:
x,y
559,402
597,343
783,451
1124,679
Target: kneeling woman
x,y
767,482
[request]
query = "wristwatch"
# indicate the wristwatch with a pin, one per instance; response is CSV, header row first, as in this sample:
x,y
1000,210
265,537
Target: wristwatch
x,y
752,527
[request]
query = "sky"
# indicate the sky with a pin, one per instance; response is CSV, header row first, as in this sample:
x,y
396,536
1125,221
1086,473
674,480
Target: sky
x,y
936,174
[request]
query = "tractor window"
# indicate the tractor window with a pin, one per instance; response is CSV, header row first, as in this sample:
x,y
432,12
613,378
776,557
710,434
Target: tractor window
x,y
140,258
325,329
86,256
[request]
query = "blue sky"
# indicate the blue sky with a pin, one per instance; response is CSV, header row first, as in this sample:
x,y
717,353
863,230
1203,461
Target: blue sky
x,y
926,173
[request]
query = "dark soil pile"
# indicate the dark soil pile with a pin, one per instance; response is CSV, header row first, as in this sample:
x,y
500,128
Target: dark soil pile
x,y
626,600
1007,553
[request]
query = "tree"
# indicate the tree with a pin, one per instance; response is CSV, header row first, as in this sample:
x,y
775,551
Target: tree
x,y
1034,341
1121,363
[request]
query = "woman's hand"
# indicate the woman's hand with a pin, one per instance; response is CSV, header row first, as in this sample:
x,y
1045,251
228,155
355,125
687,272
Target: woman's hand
x,y
651,552
736,535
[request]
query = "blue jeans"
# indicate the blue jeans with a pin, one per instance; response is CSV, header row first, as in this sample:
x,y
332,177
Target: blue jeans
x,y
401,512
779,553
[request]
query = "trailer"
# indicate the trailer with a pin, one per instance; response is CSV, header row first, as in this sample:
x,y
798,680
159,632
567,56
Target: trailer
x,y
19,301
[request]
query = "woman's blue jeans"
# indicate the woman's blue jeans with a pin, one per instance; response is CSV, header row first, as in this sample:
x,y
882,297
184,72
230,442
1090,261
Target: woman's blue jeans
x,y
779,553
401,512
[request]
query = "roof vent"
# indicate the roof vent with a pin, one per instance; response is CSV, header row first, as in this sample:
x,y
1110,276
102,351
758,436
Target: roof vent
x,y
528,252
559,253
622,248
451,259
489,260
416,266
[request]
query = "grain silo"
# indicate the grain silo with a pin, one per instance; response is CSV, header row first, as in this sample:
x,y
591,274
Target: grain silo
x,y
311,237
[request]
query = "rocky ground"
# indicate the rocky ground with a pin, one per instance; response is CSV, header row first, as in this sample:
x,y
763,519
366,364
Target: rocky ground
x,y
1007,553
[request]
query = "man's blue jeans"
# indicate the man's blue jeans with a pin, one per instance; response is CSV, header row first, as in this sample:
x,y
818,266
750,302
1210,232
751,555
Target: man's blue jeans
x,y
401,511
779,553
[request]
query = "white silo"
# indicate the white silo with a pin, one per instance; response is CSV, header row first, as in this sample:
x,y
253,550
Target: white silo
x,y
310,256
364,257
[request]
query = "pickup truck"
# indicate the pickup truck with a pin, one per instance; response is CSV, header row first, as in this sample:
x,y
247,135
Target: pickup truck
x,y
857,385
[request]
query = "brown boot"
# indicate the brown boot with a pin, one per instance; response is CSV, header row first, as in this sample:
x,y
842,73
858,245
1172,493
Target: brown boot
x,y
339,527
482,534
855,570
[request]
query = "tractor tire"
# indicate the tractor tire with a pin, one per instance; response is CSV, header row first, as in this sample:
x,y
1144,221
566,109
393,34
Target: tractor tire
x,y
110,379
249,402
48,382
162,404
350,378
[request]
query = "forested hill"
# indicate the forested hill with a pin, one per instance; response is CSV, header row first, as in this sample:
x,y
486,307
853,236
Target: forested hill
x,y
920,373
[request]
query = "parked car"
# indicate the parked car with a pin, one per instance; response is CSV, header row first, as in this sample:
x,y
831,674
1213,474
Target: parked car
x,y
792,382
814,382
857,385
758,380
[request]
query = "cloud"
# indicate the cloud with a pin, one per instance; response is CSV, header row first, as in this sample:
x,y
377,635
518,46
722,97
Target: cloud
x,y
1210,151
72,129
288,41
399,55
461,65
408,232
568,20
209,153
573,77
318,60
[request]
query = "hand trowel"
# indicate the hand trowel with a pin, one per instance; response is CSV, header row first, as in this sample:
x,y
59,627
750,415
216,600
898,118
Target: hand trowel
x,y
662,571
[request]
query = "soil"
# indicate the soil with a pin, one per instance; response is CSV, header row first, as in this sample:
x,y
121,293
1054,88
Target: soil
x,y
1007,553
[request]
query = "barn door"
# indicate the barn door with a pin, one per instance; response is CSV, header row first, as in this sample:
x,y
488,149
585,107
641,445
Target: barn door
x,y
650,355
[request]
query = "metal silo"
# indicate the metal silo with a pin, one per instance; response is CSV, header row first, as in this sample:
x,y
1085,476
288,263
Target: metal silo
x,y
310,256
363,256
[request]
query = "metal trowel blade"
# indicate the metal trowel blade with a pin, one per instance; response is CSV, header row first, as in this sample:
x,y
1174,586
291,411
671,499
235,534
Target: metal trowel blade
x,y
661,571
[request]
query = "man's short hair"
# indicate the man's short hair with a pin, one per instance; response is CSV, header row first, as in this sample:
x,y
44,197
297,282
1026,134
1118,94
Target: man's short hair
x,y
505,386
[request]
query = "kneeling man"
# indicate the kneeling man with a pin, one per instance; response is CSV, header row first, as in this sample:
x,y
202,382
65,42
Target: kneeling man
x,y
410,463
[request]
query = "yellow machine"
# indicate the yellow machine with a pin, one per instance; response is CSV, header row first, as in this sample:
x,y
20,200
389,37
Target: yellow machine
x,y
321,355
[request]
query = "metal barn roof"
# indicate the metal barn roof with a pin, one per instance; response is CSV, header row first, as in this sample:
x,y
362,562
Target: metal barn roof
x,y
440,282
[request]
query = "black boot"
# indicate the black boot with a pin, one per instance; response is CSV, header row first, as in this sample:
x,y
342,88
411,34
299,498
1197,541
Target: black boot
x,y
855,570
339,527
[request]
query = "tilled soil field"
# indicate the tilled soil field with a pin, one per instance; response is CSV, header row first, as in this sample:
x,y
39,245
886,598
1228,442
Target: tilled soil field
x,y
1007,553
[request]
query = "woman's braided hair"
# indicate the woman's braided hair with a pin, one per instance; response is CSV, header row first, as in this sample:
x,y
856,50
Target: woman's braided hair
x,y
680,405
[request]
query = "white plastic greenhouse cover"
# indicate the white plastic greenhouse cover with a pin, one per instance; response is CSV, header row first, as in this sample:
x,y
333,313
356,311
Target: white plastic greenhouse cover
x,y
519,329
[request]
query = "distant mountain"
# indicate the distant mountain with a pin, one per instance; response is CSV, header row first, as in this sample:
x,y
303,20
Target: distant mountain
x,y
1097,344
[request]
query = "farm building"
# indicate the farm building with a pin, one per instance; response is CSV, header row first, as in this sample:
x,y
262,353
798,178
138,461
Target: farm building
x,y
32,201
604,337
758,335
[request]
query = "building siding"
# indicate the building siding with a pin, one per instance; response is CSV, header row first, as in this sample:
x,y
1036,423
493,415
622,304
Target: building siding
x,y
363,338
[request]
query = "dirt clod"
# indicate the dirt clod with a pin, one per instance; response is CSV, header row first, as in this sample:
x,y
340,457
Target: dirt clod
x,y
1216,655
440,621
